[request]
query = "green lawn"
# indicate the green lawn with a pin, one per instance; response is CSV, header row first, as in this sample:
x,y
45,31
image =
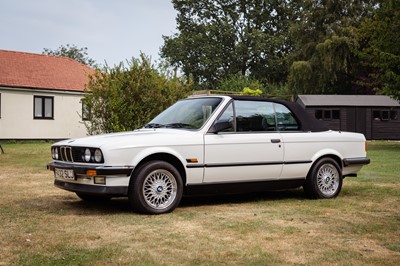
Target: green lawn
x,y
43,225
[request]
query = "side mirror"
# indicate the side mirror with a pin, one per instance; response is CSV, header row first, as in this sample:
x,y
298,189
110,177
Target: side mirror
x,y
220,126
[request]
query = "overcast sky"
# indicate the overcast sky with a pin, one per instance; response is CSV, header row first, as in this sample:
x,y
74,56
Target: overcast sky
x,y
112,30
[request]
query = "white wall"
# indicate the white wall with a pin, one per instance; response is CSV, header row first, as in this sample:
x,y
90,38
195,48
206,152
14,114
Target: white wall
x,y
17,122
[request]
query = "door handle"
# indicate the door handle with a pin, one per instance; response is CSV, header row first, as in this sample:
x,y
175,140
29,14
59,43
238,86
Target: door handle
x,y
275,140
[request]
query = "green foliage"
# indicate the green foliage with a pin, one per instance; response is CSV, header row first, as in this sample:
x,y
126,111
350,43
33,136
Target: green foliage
x,y
73,52
301,77
238,82
381,52
218,39
324,60
251,92
127,97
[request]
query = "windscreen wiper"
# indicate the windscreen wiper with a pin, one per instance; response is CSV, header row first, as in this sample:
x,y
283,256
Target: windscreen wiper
x,y
180,125
154,125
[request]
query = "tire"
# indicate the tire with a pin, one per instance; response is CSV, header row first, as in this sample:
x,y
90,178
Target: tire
x,y
91,197
324,181
155,188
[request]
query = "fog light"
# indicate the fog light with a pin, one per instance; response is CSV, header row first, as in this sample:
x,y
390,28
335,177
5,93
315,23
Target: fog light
x,y
100,180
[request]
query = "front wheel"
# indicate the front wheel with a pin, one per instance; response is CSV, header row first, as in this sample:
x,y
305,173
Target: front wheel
x,y
324,181
155,188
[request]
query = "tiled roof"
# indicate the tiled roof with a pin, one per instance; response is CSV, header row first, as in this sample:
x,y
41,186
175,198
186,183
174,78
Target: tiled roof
x,y
37,71
347,100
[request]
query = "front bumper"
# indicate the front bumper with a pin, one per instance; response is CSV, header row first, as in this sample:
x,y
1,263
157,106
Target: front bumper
x,y
101,170
116,179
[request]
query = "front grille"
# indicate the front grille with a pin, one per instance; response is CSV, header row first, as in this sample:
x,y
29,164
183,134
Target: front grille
x,y
76,154
66,154
71,154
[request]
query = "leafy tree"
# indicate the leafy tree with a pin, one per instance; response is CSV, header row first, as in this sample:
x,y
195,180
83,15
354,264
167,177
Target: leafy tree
x,y
236,83
221,38
73,52
381,50
127,97
325,58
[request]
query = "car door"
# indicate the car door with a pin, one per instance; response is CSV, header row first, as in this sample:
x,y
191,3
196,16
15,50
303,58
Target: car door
x,y
251,150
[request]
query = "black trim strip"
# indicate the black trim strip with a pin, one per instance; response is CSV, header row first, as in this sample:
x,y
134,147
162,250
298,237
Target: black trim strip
x,y
242,187
213,165
98,190
353,161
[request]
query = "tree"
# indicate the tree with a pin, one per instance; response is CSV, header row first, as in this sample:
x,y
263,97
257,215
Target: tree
x,y
127,97
221,38
381,50
73,52
325,58
236,83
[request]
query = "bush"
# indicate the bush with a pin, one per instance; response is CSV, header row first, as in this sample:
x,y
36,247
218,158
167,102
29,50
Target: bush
x,y
127,97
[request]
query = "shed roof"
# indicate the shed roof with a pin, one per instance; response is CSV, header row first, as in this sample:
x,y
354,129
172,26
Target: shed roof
x,y
37,71
347,100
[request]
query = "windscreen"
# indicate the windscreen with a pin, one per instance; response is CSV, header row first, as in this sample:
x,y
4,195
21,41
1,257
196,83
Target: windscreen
x,y
187,114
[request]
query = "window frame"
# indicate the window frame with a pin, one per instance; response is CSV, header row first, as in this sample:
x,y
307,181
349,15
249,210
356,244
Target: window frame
x,y
327,114
43,107
384,115
234,128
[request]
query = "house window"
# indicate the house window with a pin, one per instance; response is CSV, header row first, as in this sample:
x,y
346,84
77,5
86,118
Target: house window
x,y
43,107
327,114
85,112
376,115
335,114
384,115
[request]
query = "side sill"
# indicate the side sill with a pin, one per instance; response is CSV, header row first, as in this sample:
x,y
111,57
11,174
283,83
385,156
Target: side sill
x,y
242,187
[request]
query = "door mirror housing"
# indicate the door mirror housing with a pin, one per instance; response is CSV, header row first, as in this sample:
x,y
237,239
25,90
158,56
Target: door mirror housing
x,y
220,126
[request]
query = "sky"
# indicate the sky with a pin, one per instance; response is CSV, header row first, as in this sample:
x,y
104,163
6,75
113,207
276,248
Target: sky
x,y
113,30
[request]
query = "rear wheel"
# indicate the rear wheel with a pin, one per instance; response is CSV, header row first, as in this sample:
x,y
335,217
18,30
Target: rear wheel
x,y
324,181
155,188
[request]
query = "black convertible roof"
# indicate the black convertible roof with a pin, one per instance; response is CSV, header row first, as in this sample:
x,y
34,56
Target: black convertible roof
x,y
307,122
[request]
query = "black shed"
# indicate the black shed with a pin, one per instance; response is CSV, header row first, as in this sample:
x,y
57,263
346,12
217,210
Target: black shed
x,y
376,116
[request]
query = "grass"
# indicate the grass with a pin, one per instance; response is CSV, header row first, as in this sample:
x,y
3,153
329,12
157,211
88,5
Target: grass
x,y
43,225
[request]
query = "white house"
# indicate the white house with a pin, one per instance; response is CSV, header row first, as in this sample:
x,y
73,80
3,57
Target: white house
x,y
40,96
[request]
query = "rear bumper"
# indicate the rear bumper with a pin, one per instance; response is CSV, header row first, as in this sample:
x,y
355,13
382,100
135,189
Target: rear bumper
x,y
356,161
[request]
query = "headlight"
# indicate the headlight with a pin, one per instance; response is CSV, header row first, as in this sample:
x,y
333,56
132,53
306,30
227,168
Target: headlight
x,y
88,155
54,153
98,156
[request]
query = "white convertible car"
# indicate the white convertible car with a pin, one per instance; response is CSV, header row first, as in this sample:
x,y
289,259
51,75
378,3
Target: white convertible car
x,y
208,145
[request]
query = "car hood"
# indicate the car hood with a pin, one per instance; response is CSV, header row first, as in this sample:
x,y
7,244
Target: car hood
x,y
137,138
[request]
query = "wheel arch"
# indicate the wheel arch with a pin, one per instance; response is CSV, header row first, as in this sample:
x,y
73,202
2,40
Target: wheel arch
x,y
333,156
166,157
